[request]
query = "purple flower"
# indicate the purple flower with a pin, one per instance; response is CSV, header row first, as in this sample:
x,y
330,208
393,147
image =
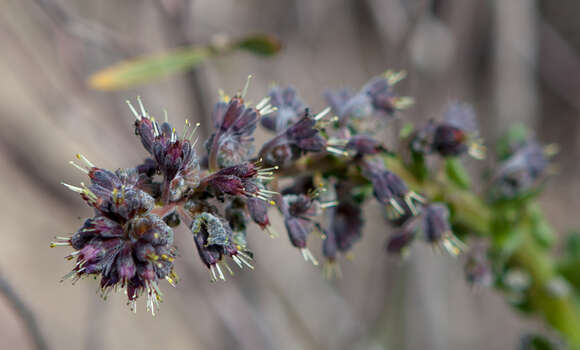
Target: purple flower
x,y
345,228
389,189
124,243
437,230
235,124
523,171
240,180
258,210
364,144
134,256
297,210
289,109
298,139
377,97
457,134
175,157
215,239
348,105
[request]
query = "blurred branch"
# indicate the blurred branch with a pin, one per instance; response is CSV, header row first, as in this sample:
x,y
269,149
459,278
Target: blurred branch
x,y
559,65
24,312
175,24
85,30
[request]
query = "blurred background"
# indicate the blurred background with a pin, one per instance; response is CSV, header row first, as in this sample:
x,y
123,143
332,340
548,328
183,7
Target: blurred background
x,y
516,61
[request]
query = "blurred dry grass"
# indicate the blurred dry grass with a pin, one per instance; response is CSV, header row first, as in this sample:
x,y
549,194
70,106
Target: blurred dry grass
x,y
49,47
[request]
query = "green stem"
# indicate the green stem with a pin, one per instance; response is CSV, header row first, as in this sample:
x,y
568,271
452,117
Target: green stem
x,y
474,216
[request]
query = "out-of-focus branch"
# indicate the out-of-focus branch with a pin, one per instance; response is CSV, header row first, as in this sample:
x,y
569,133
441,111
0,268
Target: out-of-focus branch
x,y
24,312
175,24
473,215
515,61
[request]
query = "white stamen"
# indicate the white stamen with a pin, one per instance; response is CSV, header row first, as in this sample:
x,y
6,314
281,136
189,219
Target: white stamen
x,y
213,275
267,110
78,167
263,103
156,131
72,188
227,268
193,131
143,111
237,261
244,261
220,272
322,113
329,204
137,116
84,159
395,205
268,169
337,151
245,90
307,255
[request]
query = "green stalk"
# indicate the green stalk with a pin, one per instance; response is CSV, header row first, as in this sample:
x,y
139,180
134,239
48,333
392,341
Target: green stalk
x,y
562,312
473,216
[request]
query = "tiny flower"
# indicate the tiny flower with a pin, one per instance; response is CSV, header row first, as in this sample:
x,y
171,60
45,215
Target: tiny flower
x,y
289,108
348,105
437,230
113,194
345,230
389,189
364,144
175,157
258,210
457,134
297,210
376,97
235,124
298,139
240,180
215,239
346,223
522,171
383,97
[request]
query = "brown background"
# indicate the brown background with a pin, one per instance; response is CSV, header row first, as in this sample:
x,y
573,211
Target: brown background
x,y
516,60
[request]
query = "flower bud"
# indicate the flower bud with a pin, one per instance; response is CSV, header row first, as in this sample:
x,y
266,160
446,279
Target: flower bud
x,y
289,108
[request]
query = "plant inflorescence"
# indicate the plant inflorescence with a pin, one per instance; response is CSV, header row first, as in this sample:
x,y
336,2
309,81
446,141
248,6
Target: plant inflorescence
x,y
318,170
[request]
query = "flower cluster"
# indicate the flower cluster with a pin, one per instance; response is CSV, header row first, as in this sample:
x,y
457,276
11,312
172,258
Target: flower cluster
x,y
317,169
125,243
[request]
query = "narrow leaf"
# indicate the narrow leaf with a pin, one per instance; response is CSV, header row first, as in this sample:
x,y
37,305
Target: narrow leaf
x,y
141,70
265,45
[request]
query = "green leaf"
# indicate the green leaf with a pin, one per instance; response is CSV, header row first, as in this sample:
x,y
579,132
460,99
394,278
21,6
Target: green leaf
x,y
572,245
457,172
141,70
515,135
265,45
540,228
